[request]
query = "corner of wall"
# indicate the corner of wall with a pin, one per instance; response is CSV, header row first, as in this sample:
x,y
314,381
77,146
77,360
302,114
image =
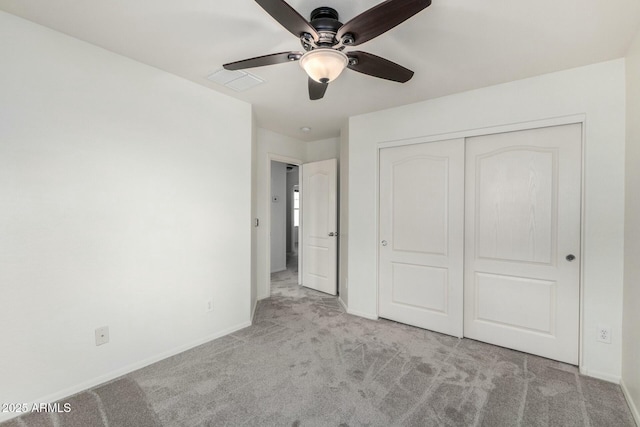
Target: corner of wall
x,y
254,213
343,227
632,404
631,297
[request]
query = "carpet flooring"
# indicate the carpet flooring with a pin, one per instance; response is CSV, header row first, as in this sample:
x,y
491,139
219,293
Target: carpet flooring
x,y
305,362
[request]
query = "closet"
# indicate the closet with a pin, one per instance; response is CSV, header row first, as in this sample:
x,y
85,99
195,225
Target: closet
x,y
480,237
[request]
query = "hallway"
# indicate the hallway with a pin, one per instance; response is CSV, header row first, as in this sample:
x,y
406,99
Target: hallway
x,y
285,283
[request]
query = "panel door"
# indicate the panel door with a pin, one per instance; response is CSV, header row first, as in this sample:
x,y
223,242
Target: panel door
x,y
522,243
320,225
421,235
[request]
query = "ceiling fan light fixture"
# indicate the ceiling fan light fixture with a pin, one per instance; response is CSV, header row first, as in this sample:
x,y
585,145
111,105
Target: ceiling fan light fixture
x,y
324,64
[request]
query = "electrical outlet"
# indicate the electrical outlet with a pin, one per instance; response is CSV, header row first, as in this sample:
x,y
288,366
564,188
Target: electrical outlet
x,y
102,335
604,334
209,306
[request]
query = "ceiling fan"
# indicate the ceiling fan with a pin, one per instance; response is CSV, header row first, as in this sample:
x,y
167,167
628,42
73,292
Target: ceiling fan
x,y
324,39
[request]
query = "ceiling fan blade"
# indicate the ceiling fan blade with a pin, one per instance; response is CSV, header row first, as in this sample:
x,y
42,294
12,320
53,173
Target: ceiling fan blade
x,y
380,19
260,61
316,90
375,66
288,17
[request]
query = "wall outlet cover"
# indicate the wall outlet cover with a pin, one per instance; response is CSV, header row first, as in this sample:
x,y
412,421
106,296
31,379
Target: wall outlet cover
x,y
102,335
603,334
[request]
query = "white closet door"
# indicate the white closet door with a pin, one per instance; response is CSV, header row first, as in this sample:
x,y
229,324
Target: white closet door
x,y
421,240
320,225
522,243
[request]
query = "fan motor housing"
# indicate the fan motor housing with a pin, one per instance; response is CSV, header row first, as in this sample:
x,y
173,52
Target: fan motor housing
x,y
325,19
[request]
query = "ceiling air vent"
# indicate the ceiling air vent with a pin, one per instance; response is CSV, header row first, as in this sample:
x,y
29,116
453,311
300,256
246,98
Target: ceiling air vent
x,y
236,80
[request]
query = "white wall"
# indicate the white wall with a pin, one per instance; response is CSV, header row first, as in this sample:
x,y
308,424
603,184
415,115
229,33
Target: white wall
x,y
278,216
322,149
597,91
631,316
115,209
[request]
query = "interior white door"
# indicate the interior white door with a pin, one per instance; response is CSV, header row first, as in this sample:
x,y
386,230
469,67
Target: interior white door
x,y
421,235
522,240
320,225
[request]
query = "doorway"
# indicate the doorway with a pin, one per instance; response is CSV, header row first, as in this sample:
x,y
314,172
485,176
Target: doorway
x,y
316,209
285,227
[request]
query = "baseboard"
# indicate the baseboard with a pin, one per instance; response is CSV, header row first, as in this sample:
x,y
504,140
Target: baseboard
x,y
343,304
362,314
6,416
601,375
86,385
253,311
630,402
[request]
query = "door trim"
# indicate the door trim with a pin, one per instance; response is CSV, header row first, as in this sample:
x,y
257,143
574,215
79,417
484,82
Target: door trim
x,y
532,124
272,157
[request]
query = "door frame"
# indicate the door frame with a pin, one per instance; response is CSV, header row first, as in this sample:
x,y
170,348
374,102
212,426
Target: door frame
x,y
267,223
533,124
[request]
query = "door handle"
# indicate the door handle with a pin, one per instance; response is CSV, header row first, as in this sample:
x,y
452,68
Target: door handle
x,y
570,257
384,243
331,234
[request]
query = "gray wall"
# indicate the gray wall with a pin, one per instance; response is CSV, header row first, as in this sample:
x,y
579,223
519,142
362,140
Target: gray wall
x,y
293,177
278,216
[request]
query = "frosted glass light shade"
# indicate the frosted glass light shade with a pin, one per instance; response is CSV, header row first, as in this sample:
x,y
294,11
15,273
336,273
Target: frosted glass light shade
x,y
324,65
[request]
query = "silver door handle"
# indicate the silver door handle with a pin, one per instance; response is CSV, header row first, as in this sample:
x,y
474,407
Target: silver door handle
x,y
384,243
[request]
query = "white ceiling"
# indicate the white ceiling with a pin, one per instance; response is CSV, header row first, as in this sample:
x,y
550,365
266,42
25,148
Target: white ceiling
x,y
453,46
